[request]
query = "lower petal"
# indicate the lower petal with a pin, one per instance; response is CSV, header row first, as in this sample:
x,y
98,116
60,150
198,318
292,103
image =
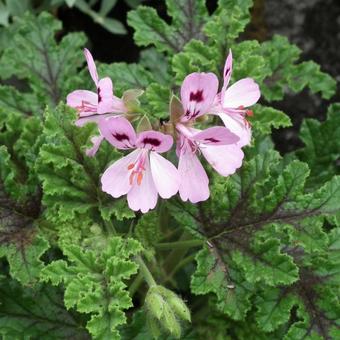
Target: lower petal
x,y
115,180
96,141
236,123
194,185
164,174
225,159
143,197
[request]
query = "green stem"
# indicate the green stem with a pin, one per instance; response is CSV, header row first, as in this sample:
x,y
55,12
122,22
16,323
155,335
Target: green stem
x,y
180,244
144,270
135,284
181,264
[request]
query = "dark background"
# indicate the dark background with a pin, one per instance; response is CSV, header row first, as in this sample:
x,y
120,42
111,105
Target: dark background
x,y
314,25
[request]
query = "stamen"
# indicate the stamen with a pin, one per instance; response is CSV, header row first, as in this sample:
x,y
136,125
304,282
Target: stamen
x,y
249,113
139,178
131,166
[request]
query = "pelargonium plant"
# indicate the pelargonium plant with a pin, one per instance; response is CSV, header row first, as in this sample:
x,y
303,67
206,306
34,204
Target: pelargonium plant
x,y
150,200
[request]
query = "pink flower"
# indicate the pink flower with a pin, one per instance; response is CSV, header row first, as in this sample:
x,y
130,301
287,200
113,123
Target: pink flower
x,y
142,174
94,106
217,144
232,102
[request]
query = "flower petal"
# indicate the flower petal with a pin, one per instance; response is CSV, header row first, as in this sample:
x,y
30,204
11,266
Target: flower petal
x,y
95,118
228,68
91,65
96,141
216,135
164,174
81,99
237,124
244,92
105,95
155,141
143,197
225,159
118,131
194,185
115,180
197,94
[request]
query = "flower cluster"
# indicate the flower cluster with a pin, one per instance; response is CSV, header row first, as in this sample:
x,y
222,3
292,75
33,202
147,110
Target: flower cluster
x,y
143,174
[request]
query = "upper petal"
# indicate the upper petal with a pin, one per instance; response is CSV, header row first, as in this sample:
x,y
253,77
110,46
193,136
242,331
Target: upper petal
x,y
105,95
164,174
91,65
244,92
115,180
225,159
118,131
194,182
197,94
95,118
154,140
143,197
228,68
216,135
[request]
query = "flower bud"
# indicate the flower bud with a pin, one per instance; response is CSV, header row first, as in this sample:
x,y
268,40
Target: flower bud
x,y
170,322
154,303
180,308
153,326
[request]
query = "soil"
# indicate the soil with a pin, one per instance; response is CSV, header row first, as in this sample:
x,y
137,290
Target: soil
x,y
313,25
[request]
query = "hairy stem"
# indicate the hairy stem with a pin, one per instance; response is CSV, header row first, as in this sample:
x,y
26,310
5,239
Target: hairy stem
x,y
144,270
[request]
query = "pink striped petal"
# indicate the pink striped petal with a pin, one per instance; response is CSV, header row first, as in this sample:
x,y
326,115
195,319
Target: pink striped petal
x,y
244,93
197,94
105,95
96,141
228,68
155,141
237,124
143,197
164,174
194,185
91,65
225,159
216,135
82,100
118,131
116,179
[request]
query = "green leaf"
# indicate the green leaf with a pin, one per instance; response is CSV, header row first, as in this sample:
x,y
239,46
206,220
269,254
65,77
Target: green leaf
x,y
36,314
273,308
265,118
212,276
281,57
94,282
126,76
188,18
34,55
23,249
229,21
70,179
322,145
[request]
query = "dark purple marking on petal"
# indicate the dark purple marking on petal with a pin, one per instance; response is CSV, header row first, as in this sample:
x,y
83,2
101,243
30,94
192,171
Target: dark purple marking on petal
x,y
151,141
227,71
197,96
99,96
120,136
212,140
